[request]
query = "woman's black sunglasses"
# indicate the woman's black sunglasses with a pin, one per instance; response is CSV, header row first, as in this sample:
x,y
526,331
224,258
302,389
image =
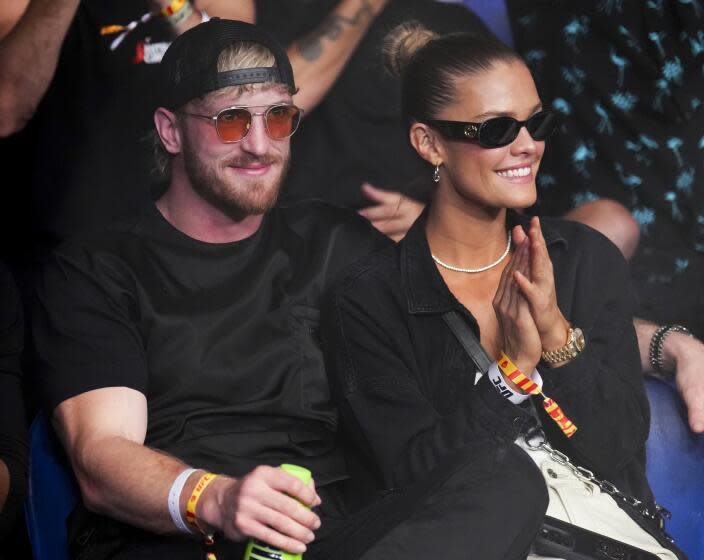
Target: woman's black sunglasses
x,y
499,131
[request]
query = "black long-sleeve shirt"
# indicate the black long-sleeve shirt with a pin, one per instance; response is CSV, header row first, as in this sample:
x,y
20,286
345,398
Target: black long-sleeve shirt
x,y
406,391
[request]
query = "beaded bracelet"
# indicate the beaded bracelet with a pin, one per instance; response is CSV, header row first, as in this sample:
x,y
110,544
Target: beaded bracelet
x,y
655,349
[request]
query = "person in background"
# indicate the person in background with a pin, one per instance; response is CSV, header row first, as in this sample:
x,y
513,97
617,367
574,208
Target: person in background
x,y
626,79
352,149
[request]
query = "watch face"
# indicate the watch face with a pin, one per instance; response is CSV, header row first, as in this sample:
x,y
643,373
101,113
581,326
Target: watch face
x,y
579,339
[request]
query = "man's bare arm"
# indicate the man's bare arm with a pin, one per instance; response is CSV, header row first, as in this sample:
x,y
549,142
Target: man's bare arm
x,y
319,57
103,432
29,54
10,13
683,356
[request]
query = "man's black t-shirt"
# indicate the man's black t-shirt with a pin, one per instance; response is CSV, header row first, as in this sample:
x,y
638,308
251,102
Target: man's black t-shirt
x,y
356,134
221,338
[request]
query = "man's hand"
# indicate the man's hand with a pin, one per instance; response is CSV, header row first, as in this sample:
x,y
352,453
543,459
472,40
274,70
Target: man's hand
x,y
683,355
392,213
687,353
266,504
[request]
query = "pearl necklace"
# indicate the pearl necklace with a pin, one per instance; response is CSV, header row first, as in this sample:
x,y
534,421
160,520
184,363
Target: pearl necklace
x,y
475,270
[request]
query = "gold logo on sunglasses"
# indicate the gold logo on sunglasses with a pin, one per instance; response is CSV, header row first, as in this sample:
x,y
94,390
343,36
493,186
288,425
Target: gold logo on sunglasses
x,y
470,131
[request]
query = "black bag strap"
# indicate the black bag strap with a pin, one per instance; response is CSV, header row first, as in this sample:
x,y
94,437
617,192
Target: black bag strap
x,y
468,340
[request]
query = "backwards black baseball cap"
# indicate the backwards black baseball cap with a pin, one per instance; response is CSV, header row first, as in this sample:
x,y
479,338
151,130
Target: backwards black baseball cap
x,y
189,66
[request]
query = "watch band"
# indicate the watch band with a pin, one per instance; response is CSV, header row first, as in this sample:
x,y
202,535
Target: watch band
x,y
655,349
564,353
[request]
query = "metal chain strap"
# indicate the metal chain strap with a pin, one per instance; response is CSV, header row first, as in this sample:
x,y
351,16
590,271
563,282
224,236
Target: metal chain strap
x,y
535,439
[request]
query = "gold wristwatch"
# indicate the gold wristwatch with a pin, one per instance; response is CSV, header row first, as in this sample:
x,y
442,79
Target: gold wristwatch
x,y
575,344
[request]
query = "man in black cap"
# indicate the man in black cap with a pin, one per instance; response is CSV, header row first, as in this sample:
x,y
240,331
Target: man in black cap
x,y
184,342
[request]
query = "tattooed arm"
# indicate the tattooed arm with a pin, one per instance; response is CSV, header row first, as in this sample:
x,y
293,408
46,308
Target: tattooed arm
x,y
31,36
319,57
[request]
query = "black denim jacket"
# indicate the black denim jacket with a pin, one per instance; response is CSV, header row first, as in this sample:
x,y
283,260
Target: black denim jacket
x,y
406,388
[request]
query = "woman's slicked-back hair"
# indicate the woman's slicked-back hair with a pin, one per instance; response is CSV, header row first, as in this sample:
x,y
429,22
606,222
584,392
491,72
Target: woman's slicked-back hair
x,y
428,65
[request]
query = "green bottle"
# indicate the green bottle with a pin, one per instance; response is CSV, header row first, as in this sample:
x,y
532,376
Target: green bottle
x,y
257,550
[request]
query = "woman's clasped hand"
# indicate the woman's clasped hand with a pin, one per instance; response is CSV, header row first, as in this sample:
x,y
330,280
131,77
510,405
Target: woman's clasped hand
x,y
526,303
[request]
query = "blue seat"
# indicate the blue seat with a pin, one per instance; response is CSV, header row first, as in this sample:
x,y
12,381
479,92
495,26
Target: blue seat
x,y
52,493
675,467
495,15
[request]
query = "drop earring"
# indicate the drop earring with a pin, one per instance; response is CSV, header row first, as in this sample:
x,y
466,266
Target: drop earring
x,y
436,173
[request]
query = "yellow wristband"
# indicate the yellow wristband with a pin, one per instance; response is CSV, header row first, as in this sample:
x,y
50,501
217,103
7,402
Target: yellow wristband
x,y
177,12
175,7
526,384
521,380
202,484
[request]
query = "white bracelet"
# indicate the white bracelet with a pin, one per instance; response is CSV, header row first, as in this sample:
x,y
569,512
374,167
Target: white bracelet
x,y
175,498
498,381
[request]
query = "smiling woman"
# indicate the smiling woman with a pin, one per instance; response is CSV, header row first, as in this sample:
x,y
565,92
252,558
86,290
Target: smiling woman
x,y
481,125
410,333
495,150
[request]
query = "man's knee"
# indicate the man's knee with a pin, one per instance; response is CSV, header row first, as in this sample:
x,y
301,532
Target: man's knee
x,y
611,219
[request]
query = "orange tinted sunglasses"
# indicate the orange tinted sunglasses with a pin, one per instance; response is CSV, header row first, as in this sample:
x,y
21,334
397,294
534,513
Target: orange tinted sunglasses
x,y
233,123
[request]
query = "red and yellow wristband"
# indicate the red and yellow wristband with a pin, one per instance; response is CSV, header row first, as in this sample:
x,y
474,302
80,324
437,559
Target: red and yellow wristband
x,y
209,539
523,382
175,7
175,13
